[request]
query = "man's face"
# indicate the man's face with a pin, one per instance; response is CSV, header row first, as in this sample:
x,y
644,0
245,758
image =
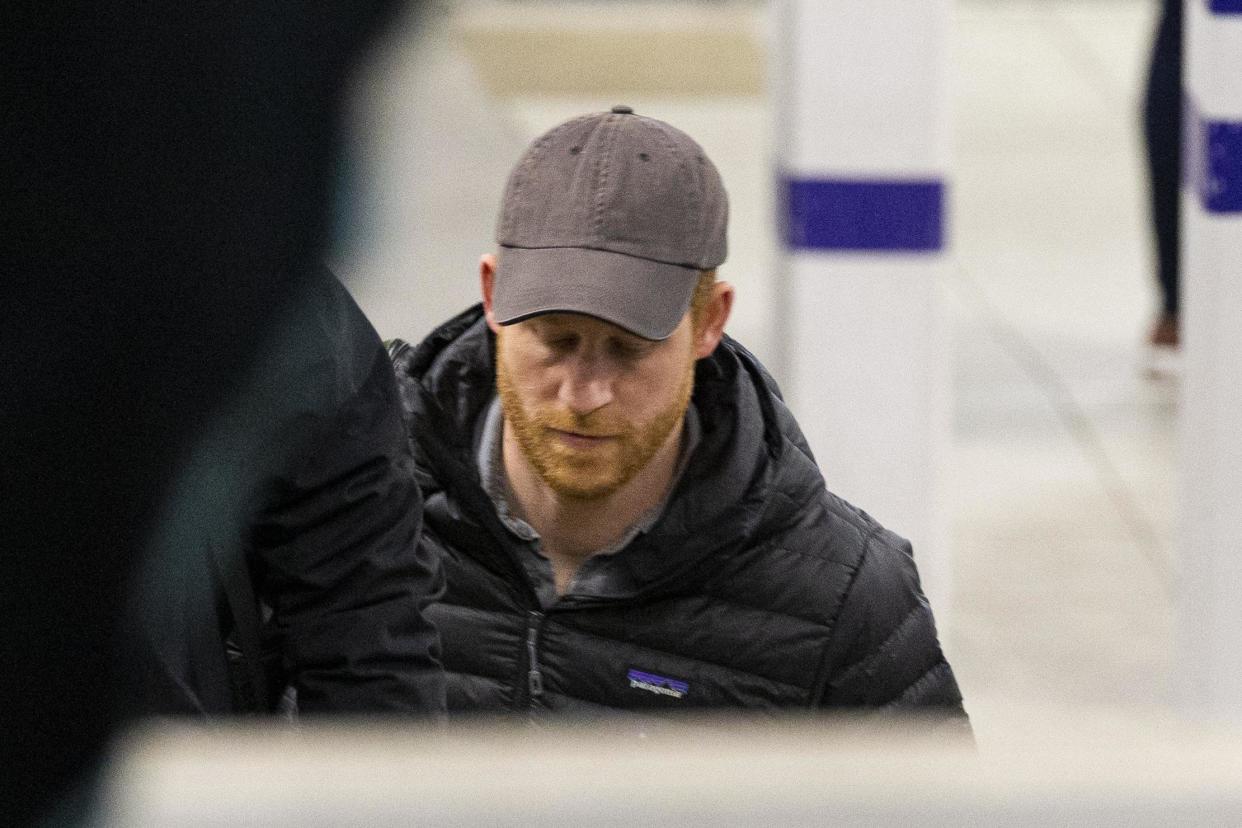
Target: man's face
x,y
590,403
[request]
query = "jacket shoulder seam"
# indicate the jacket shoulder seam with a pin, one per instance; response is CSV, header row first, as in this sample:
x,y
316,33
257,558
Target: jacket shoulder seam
x,y
863,664
940,665
821,674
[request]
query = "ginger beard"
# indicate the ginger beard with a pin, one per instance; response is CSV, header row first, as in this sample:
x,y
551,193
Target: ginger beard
x,y
596,472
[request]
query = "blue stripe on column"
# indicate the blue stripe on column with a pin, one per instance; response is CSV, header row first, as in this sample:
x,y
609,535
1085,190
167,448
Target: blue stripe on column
x,y
1220,157
857,214
1225,6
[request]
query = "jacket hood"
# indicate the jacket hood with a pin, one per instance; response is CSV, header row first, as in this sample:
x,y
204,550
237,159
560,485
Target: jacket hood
x,y
748,477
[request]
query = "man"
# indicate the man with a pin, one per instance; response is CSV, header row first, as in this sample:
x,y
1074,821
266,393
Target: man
x,y
628,515
1162,133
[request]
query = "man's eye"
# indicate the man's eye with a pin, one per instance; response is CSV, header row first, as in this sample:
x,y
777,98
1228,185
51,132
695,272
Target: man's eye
x,y
626,350
562,343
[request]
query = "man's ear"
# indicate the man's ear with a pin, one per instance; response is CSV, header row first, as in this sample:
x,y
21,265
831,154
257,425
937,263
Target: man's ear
x,y
487,281
715,314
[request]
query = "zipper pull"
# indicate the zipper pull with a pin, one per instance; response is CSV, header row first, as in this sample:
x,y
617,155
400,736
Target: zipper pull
x,y
534,678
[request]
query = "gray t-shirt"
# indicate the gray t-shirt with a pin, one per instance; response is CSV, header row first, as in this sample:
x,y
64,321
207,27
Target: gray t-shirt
x,y
606,571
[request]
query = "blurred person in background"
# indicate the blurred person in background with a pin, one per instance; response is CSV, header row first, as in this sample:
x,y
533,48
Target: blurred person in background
x,y
628,515
1162,129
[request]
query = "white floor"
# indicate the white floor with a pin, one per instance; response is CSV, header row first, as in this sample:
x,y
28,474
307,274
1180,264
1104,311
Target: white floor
x,y
1061,481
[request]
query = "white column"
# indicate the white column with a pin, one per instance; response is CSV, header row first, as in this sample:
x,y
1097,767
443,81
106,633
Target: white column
x,y
1210,601
862,137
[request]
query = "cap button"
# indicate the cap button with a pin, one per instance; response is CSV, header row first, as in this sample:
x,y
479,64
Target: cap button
x,y
622,109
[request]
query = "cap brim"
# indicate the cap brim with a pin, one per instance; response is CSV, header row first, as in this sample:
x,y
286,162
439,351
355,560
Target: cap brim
x,y
646,298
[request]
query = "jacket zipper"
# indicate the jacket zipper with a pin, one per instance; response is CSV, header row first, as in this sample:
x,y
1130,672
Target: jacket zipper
x,y
534,678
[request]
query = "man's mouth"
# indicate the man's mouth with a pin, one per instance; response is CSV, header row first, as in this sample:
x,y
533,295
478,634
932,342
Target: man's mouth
x,y
575,439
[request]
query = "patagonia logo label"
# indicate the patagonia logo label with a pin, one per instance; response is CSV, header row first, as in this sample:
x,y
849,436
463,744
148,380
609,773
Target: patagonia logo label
x,y
659,685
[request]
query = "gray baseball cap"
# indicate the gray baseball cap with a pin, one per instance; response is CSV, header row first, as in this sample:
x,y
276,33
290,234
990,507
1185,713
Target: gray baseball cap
x,y
613,215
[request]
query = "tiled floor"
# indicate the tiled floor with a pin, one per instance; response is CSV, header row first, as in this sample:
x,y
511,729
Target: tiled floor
x,y
1063,452
1061,481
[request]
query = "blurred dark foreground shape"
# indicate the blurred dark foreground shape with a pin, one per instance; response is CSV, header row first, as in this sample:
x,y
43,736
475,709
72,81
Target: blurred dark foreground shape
x,y
285,573
168,170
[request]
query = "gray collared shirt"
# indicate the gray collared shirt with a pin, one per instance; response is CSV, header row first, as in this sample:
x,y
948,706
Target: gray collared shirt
x,y
604,571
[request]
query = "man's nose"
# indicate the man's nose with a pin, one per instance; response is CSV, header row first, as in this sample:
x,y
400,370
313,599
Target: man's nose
x,y
587,386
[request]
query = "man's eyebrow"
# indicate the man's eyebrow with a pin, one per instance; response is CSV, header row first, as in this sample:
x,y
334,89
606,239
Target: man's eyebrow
x,y
634,340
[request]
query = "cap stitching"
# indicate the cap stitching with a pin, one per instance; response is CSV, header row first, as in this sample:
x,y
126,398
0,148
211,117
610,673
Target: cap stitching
x,y
522,171
694,199
519,178
601,171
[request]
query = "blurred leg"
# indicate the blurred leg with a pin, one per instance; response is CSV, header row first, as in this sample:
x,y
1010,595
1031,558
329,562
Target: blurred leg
x,y
1163,129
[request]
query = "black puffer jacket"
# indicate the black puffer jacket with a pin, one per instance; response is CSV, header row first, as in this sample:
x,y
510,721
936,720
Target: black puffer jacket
x,y
756,589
